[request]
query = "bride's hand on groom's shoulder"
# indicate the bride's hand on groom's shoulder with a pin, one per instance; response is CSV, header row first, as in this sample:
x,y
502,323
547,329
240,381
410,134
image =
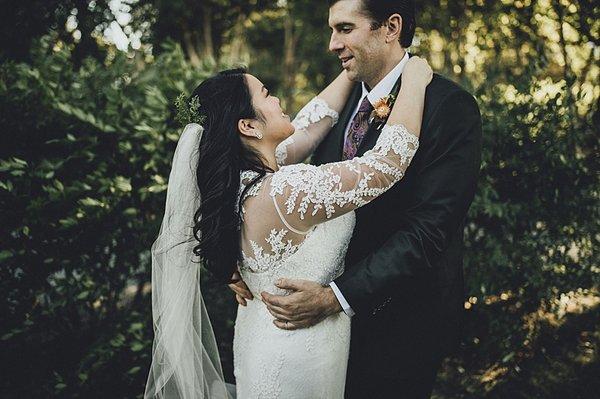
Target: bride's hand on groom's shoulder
x,y
241,290
307,304
417,71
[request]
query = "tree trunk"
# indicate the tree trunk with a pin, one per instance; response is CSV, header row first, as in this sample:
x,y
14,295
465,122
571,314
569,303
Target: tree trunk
x,y
189,44
209,50
289,65
562,42
238,42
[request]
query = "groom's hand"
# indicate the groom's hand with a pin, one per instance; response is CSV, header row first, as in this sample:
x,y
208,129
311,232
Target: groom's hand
x,y
308,304
241,290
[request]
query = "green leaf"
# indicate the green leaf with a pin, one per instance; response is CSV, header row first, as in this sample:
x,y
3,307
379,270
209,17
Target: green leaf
x,y
20,162
136,326
130,212
5,254
123,184
87,201
59,186
508,357
67,222
7,185
137,346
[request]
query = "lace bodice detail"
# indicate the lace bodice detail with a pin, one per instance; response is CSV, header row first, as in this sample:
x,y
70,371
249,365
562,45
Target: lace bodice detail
x,y
306,195
283,207
280,249
297,223
310,363
311,125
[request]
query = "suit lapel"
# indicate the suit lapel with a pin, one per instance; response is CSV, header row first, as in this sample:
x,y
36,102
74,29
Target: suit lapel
x,y
373,133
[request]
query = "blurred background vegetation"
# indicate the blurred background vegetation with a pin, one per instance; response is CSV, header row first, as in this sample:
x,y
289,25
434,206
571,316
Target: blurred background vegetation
x,y
87,90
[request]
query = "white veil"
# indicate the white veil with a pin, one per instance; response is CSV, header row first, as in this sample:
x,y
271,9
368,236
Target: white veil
x,y
185,358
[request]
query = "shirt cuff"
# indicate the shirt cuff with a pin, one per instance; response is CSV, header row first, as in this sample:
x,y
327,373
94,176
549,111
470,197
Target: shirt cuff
x,y
343,302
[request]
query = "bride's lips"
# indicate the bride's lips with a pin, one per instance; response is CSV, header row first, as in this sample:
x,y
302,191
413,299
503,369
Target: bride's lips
x,y
345,61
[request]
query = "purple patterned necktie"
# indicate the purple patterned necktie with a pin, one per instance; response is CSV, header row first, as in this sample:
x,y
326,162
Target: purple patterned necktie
x,y
358,129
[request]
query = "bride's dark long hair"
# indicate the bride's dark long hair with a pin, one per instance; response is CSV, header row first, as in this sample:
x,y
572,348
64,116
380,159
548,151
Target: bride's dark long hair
x,y
224,100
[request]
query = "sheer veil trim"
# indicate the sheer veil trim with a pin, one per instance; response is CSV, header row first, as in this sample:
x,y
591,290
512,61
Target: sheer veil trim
x,y
185,358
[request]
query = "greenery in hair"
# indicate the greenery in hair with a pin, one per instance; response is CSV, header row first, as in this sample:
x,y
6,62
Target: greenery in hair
x,y
188,111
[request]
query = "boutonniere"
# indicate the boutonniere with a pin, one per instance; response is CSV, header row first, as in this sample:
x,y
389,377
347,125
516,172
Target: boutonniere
x,y
381,110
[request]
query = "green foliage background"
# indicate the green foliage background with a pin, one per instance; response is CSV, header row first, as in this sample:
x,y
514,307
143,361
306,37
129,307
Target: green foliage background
x,y
88,132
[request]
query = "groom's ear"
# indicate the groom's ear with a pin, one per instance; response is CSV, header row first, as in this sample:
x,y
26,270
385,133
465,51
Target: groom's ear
x,y
394,28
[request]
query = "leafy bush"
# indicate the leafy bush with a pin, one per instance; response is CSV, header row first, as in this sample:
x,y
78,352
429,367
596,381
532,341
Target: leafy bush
x,y
85,152
85,157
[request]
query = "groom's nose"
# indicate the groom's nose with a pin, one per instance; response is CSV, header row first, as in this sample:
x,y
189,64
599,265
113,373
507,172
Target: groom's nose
x,y
334,44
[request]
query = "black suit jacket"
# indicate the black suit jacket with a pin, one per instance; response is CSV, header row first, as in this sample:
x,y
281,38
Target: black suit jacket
x,y
404,263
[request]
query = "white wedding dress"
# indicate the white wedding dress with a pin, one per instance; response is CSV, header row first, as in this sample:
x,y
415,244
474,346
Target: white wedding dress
x,y
297,223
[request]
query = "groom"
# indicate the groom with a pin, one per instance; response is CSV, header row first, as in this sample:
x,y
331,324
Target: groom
x,y
403,284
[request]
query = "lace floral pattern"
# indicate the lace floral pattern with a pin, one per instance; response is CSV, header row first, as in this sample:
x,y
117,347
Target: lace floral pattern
x,y
281,150
397,140
309,363
304,140
312,186
246,177
269,384
280,249
305,363
313,112
306,189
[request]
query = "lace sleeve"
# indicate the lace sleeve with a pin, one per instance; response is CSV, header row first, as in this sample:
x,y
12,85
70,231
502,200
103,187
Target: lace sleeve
x,y
305,195
311,124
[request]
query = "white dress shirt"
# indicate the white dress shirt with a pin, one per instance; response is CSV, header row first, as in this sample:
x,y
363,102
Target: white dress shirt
x,y
381,89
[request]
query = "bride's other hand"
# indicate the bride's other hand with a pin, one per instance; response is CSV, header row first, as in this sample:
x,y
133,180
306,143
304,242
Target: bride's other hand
x,y
241,290
417,72
409,105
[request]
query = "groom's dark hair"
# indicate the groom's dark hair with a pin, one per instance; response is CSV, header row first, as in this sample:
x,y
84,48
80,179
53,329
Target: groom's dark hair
x,y
380,10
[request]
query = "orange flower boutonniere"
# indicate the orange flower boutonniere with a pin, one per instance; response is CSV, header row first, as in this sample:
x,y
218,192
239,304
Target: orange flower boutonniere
x,y
381,110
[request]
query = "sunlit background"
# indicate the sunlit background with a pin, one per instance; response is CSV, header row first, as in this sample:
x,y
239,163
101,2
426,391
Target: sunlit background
x,y
88,131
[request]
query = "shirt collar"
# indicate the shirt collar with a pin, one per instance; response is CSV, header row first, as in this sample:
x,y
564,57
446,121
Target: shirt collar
x,y
385,86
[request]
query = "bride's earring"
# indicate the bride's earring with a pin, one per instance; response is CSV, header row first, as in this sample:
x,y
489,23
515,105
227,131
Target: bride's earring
x,y
259,135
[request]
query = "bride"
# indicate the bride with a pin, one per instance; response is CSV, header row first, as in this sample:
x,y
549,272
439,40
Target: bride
x,y
240,198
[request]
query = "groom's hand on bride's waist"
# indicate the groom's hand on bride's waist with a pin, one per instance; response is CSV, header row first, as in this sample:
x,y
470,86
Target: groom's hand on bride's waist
x,y
307,304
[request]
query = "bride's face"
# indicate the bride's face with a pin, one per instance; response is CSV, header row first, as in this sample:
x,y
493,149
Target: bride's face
x,y
273,123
